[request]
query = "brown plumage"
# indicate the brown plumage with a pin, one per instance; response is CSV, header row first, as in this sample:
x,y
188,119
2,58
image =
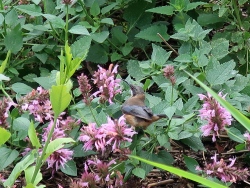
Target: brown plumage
x,y
135,111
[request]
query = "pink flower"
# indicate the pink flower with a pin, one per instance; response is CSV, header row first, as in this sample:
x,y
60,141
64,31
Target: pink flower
x,y
57,133
226,172
107,84
216,116
38,104
85,88
59,158
117,132
5,105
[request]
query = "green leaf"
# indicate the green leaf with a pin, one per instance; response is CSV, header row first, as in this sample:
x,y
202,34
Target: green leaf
x,y
14,40
139,172
150,33
219,48
80,48
159,55
36,1
95,9
69,168
221,73
21,166
235,134
79,29
56,145
4,63
46,82
166,10
182,173
56,21
193,5
60,99
31,9
21,88
33,137
7,157
191,163
11,18
29,173
235,113
194,143
1,19
21,125
107,21
102,56
100,37
43,57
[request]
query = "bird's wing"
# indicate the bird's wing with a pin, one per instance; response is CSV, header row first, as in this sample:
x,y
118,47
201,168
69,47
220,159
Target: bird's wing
x,y
138,111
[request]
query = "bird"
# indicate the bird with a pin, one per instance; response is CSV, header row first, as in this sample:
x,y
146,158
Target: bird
x,y
136,113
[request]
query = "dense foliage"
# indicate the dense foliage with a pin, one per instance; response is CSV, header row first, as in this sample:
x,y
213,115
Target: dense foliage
x,y
62,68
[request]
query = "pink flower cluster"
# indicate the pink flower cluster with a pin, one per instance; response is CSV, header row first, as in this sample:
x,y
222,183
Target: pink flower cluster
x,y
85,88
107,84
38,104
5,105
216,116
113,133
99,176
227,173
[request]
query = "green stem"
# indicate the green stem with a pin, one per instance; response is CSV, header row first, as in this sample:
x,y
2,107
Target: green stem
x,y
5,93
67,24
237,12
40,159
172,94
89,19
91,110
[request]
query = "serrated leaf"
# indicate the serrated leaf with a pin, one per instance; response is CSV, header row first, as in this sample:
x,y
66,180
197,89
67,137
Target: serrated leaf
x,y
219,48
56,21
139,172
159,55
235,134
1,19
79,29
191,163
31,9
60,99
194,143
21,124
7,157
166,10
81,47
100,37
150,33
193,5
221,73
102,56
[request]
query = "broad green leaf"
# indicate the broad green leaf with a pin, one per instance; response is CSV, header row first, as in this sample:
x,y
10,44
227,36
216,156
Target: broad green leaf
x,y
14,40
60,99
56,21
33,137
109,7
102,56
69,168
139,172
221,73
219,48
95,9
4,135
43,57
235,113
20,166
4,63
235,134
11,18
31,9
179,172
100,37
193,5
7,156
191,163
159,55
21,88
29,173
79,29
166,10
46,82
1,19
81,47
56,145
107,21
36,1
21,124
150,33
194,143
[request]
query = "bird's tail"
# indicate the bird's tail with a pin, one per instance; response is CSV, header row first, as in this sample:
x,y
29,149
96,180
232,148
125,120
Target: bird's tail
x,y
164,116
